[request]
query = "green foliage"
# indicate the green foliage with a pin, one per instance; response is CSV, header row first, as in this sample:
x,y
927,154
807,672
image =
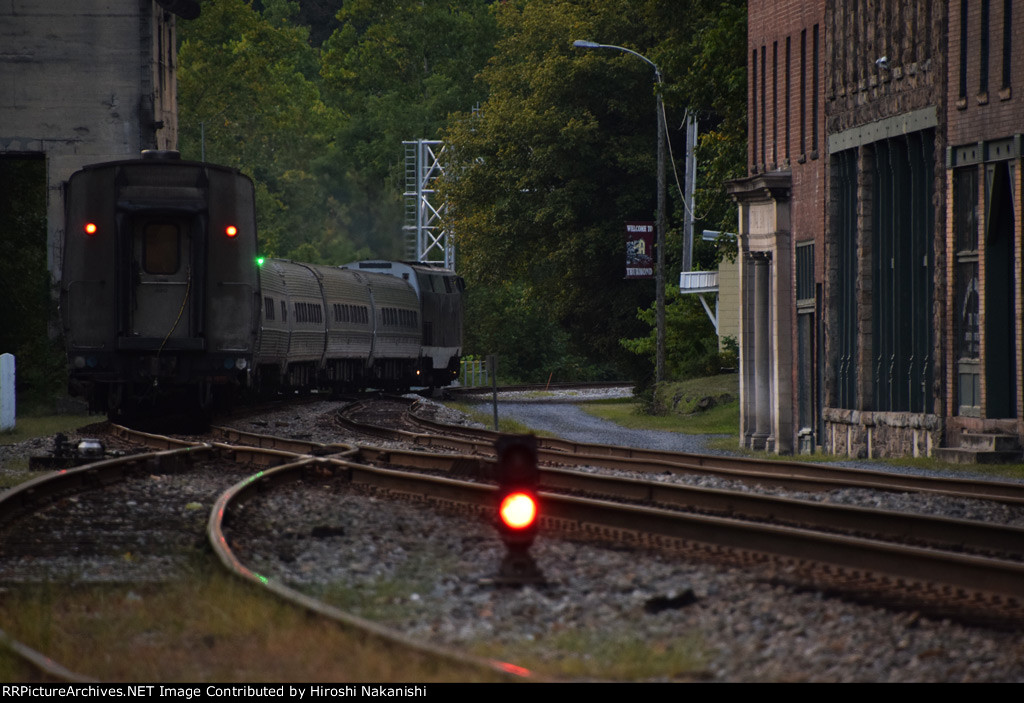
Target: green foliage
x,y
313,98
691,347
248,88
320,130
396,70
541,180
27,307
510,322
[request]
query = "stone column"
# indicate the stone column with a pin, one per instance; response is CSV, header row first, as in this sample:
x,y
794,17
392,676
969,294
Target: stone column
x,y
762,352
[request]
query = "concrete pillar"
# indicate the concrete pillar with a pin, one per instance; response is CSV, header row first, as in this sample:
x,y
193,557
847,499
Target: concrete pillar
x,y
7,413
762,353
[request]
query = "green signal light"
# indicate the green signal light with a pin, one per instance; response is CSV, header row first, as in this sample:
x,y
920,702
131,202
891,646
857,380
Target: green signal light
x,y
260,260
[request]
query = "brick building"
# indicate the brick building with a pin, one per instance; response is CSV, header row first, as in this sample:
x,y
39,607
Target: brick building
x,y
882,303
985,118
885,96
781,227
86,81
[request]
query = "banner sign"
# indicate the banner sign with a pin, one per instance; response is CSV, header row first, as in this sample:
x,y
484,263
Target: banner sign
x,y
639,250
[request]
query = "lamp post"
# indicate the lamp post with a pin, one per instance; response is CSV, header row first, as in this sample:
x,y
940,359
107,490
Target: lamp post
x,y
659,277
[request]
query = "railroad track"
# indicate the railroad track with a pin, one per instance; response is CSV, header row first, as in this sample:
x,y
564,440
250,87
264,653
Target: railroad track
x,y
978,579
138,531
969,566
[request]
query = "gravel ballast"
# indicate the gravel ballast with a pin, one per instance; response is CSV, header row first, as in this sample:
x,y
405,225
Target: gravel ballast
x,y
424,573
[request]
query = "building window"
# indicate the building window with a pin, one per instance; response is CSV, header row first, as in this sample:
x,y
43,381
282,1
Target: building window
x,y
844,227
963,54
814,93
775,100
753,110
983,47
902,272
966,320
789,81
1007,43
764,105
803,92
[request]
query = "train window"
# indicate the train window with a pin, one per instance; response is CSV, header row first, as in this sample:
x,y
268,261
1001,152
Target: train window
x,y
268,306
447,285
160,248
284,312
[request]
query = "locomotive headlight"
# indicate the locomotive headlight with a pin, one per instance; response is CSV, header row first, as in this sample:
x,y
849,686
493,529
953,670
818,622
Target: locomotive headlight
x,y
240,363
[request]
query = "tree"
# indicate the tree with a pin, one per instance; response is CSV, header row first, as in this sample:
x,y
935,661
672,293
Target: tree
x,y
249,97
541,181
27,307
398,70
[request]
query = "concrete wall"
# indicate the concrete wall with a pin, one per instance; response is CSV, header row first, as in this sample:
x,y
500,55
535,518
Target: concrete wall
x,y
84,81
728,300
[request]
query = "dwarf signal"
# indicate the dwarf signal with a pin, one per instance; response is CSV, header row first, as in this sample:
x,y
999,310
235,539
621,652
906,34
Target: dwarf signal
x,y
518,508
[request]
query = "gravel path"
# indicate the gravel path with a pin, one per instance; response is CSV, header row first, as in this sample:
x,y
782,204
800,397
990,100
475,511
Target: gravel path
x,y
566,420
569,422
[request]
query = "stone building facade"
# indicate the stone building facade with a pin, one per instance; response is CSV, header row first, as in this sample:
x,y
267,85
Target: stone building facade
x,y
885,97
781,205
83,82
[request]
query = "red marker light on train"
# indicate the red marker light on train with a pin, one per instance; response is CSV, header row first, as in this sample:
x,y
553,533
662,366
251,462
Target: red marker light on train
x,y
91,228
231,231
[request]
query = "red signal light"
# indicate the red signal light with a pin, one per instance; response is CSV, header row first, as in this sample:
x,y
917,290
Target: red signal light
x,y
518,479
231,231
518,510
90,228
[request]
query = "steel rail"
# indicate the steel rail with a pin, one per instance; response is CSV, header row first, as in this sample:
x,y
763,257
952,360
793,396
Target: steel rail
x,y
244,490
577,514
994,579
25,496
951,533
791,474
286,465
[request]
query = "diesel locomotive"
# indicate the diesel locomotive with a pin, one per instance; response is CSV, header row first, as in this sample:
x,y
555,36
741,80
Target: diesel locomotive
x,y
165,301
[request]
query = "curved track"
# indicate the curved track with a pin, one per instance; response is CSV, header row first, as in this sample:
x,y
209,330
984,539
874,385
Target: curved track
x,y
964,569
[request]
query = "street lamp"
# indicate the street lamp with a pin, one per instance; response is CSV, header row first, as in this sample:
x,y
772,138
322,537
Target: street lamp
x,y
659,359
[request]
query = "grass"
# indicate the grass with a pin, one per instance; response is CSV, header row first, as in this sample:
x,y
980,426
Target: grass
x,y
630,413
606,655
229,632
681,413
696,406
29,427
619,656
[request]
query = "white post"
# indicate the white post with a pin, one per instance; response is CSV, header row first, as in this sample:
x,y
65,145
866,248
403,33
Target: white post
x,y
6,392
